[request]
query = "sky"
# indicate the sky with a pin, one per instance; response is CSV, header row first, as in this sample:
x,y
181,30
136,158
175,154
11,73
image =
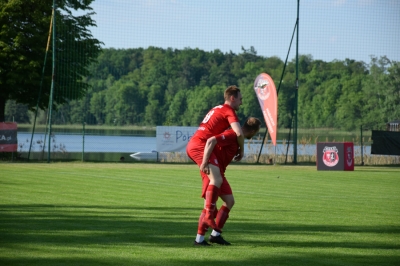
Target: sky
x,y
328,29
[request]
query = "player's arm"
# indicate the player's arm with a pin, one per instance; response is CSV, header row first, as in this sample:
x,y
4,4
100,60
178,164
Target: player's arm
x,y
209,147
240,139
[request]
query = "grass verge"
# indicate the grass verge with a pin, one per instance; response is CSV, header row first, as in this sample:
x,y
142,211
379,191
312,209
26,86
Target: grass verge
x,y
146,214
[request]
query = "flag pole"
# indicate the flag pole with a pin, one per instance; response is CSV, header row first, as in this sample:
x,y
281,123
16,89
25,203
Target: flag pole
x,y
280,82
296,98
41,82
52,79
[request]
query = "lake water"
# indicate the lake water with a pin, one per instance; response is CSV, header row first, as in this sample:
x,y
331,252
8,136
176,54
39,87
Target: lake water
x,y
92,143
131,144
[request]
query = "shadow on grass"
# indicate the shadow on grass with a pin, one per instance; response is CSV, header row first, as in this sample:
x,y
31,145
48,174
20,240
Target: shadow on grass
x,y
169,227
90,224
287,259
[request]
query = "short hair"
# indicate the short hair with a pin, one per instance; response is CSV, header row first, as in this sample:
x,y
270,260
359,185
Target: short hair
x,y
252,123
231,91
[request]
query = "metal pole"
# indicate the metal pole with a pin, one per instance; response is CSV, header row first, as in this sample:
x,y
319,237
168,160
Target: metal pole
x,y
280,82
362,147
52,80
262,144
41,82
83,143
296,91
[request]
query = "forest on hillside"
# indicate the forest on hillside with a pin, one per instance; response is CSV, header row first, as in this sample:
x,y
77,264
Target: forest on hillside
x,y
156,86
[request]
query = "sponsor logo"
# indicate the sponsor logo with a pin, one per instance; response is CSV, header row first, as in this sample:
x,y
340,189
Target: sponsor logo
x,y
3,137
349,156
330,156
167,135
6,138
183,136
262,89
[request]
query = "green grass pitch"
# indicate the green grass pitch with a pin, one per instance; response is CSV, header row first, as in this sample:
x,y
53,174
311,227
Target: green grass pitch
x,y
146,214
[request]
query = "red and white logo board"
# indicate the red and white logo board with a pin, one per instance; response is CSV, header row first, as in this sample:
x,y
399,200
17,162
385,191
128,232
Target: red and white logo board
x,y
335,156
8,137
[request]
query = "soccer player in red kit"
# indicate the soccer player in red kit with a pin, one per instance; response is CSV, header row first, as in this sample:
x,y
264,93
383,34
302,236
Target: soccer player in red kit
x,y
217,120
225,147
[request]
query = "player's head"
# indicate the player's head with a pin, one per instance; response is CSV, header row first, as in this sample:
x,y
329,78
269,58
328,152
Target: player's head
x,y
233,97
251,127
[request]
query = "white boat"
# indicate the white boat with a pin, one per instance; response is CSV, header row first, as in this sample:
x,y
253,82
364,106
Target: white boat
x,y
148,156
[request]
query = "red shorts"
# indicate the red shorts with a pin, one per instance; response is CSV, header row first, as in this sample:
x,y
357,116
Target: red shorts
x,y
195,151
225,188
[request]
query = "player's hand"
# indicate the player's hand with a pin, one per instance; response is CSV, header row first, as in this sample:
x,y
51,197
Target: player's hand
x,y
205,168
239,156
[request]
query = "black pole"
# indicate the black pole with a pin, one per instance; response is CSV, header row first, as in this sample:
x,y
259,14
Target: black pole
x,y
362,147
41,83
52,80
262,144
296,91
279,86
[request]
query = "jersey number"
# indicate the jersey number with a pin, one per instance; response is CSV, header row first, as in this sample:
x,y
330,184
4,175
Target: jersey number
x,y
207,117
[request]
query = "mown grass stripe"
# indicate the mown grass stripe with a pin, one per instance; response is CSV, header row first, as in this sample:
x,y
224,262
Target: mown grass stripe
x,y
146,214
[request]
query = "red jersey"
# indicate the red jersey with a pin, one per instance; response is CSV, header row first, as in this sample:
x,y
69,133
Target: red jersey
x,y
215,122
226,148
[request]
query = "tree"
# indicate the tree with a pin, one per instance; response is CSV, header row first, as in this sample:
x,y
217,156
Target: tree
x,y
16,112
250,105
392,102
349,106
23,38
200,101
97,106
177,108
153,111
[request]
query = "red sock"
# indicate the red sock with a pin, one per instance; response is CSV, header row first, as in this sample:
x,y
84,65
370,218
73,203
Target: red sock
x,y
211,199
202,228
215,212
223,215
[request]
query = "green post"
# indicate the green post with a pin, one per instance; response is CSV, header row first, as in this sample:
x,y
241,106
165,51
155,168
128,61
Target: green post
x,y
41,83
296,91
362,147
52,80
83,142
